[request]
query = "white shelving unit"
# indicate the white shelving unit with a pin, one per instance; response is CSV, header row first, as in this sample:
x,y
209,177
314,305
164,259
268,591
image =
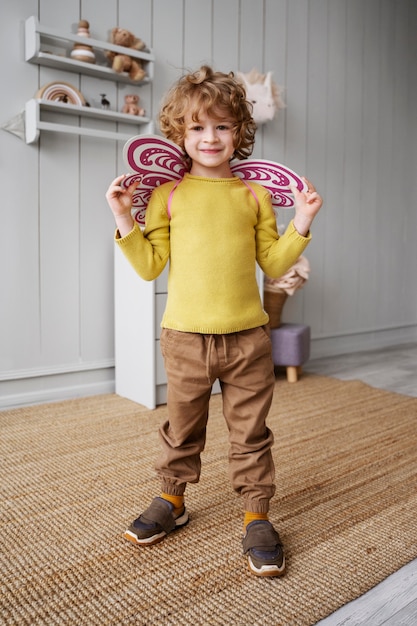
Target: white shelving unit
x,y
34,123
38,37
51,48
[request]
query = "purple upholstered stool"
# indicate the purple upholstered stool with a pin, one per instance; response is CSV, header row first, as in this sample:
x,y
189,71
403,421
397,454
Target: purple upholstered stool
x,y
291,348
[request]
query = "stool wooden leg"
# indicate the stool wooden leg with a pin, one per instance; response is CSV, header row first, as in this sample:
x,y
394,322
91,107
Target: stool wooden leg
x,y
292,374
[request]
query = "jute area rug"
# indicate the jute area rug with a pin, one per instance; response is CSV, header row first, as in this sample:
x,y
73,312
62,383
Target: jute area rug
x,y
75,473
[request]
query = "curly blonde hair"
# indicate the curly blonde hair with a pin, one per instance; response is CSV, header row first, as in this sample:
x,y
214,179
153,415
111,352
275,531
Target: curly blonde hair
x,y
214,93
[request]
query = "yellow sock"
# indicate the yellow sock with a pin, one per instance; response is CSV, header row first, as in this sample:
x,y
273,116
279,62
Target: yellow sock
x,y
251,517
176,501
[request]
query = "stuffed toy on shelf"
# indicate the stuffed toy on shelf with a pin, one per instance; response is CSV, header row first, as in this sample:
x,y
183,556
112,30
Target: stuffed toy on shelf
x,y
131,105
81,51
124,62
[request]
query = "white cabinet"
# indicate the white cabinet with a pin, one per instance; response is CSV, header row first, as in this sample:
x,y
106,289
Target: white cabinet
x,y
51,47
139,304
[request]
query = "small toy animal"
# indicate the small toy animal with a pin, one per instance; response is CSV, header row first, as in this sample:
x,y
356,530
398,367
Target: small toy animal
x,y
105,104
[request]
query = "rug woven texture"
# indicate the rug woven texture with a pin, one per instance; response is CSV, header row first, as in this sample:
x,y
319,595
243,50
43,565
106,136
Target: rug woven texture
x,y
75,473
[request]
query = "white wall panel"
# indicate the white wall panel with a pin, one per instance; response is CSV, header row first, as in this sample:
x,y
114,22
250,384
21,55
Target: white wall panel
x,y
336,262
309,302
168,43
294,153
225,37
386,161
349,76
296,85
96,253
351,138
198,25
275,60
19,249
398,218
367,253
59,249
251,29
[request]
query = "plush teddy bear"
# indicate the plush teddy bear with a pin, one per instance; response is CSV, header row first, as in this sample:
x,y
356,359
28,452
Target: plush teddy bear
x,y
131,105
124,62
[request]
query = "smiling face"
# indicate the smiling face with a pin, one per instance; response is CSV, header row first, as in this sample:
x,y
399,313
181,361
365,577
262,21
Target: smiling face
x,y
207,96
209,142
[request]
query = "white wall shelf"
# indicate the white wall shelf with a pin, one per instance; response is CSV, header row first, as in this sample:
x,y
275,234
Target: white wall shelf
x,y
34,122
51,47
38,38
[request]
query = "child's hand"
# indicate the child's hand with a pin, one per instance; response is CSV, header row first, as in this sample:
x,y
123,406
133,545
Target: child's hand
x,y
120,201
119,198
307,205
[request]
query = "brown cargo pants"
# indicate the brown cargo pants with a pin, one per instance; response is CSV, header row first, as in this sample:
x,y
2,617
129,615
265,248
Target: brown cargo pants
x,y
243,364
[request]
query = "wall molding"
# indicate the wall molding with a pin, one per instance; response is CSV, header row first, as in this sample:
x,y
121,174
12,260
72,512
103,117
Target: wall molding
x,y
52,370
45,385
56,386
346,343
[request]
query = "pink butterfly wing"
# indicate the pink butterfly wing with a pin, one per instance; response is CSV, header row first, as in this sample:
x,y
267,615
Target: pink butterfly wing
x,y
273,176
154,161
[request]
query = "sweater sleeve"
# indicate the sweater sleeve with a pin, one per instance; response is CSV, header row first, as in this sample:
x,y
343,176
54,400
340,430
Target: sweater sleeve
x,y
148,251
276,254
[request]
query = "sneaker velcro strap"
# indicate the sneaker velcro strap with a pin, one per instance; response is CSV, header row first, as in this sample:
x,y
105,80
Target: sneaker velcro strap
x,y
261,536
159,512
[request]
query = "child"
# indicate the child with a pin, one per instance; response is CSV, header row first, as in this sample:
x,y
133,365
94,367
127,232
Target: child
x,y
214,326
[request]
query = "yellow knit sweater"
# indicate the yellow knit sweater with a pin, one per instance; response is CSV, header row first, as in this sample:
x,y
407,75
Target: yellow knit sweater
x,y
216,234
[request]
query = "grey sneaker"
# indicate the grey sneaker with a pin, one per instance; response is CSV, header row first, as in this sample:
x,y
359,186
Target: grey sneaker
x,y
264,549
155,523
